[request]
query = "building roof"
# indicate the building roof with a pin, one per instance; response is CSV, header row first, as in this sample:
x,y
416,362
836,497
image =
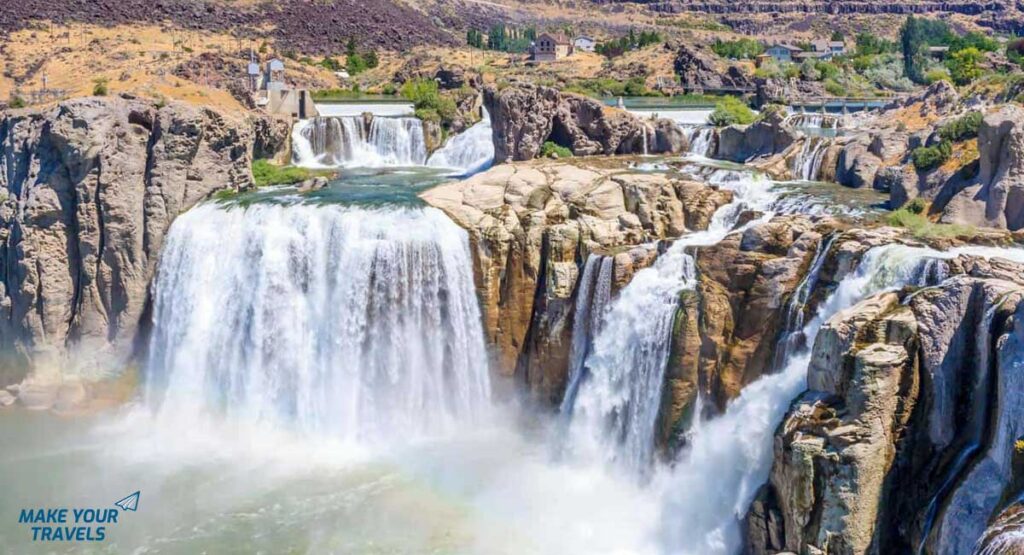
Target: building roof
x,y
557,38
787,46
809,55
584,37
823,45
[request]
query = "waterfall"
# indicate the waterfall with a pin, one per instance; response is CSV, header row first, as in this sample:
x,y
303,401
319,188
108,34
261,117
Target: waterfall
x,y
807,164
728,458
349,142
814,121
616,406
793,338
701,139
595,291
358,325
469,152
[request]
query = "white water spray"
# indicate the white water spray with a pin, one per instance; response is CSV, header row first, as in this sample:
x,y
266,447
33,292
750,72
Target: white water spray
x,y
616,407
356,325
469,152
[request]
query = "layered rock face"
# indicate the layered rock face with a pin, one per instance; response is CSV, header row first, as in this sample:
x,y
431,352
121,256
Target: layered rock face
x,y
997,198
525,116
532,226
766,137
905,436
90,187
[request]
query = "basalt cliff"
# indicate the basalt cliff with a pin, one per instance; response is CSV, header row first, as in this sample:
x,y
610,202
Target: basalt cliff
x,y
90,188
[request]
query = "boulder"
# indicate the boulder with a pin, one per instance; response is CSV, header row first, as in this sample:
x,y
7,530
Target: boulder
x,y
525,116
698,70
766,137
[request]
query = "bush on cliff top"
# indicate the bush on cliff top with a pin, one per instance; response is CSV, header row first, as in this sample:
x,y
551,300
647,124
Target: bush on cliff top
x,y
962,128
731,110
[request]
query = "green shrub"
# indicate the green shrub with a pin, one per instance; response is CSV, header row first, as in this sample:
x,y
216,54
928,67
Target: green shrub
x,y
962,128
913,216
930,157
16,102
835,89
772,109
937,74
264,173
99,86
965,65
731,110
1015,51
553,150
426,97
738,49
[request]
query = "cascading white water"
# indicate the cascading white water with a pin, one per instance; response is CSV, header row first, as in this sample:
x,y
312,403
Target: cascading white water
x,y
349,142
814,121
728,458
793,339
616,405
595,291
701,139
469,152
807,164
353,324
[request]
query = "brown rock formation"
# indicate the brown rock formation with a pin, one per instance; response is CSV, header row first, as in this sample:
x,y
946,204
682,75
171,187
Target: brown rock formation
x,y
524,117
532,226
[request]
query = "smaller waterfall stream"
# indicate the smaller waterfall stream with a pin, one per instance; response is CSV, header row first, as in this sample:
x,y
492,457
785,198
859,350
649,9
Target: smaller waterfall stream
x,y
616,405
468,152
701,138
728,458
591,303
807,164
349,142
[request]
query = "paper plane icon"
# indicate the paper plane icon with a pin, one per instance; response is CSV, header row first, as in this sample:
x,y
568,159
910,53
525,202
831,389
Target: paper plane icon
x,y
129,503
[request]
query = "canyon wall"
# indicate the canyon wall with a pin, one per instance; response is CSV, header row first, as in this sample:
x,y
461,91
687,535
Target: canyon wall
x,y
89,189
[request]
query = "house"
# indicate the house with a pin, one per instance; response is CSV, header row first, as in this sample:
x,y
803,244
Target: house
x,y
584,43
830,48
551,46
938,51
783,52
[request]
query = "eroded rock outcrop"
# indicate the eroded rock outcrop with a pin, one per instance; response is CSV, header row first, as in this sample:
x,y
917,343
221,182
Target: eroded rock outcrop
x,y
697,71
898,442
532,226
90,188
997,198
766,137
525,116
